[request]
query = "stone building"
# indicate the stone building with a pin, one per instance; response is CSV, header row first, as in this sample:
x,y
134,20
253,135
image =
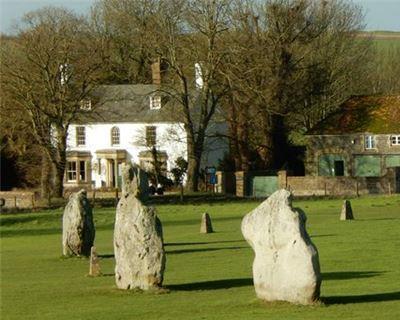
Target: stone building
x,y
361,139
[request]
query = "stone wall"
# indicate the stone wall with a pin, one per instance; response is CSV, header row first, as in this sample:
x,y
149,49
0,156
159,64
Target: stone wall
x,y
338,186
20,199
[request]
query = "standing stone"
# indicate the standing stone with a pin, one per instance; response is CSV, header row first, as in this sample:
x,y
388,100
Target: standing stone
x,y
286,264
78,226
347,212
206,226
138,241
94,267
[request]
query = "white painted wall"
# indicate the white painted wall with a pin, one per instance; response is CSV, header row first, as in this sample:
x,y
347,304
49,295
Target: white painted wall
x,y
171,138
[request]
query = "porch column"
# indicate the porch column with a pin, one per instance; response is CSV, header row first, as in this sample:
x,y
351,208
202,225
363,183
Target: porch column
x,y
115,173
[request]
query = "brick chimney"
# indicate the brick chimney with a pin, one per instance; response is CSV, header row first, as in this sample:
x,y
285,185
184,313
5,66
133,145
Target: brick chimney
x,y
156,71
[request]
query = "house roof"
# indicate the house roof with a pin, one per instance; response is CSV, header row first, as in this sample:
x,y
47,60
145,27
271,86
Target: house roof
x,y
372,114
127,103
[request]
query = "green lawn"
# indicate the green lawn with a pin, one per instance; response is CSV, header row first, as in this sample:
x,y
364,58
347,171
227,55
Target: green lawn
x,y
209,276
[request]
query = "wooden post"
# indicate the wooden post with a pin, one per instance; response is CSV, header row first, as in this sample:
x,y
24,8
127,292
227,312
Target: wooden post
x,y
33,201
15,201
181,193
94,197
357,192
325,188
390,190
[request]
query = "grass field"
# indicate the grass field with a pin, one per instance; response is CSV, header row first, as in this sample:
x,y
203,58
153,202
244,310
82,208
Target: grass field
x,y
208,276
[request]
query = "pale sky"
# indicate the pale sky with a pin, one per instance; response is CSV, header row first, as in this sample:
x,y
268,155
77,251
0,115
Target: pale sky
x,y
380,14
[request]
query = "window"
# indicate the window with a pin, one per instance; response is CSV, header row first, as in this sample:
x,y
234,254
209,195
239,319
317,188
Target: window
x,y
64,73
86,105
369,142
395,140
80,136
151,136
114,136
82,170
71,171
155,102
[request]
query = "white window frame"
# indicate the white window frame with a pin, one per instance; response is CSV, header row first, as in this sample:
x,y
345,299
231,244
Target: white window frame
x,y
71,171
395,140
155,102
115,136
80,136
86,105
369,142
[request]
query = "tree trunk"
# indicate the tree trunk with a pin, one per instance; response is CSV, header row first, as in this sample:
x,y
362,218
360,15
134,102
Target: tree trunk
x,y
195,151
59,161
193,171
46,175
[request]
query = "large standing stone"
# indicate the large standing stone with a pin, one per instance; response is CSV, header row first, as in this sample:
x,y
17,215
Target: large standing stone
x,y
138,242
206,226
286,265
347,212
78,226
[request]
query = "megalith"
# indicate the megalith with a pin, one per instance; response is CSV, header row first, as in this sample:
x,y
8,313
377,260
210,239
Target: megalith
x,y
206,225
347,212
286,265
138,240
78,227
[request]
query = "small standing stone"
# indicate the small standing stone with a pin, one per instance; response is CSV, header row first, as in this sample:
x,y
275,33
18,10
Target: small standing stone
x,y
138,238
347,212
94,267
286,264
206,226
78,226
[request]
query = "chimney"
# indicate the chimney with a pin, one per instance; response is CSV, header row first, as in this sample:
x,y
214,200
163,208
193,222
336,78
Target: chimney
x,y
156,71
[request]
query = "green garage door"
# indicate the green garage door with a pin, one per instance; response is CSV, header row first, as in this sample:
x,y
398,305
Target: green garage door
x,y
367,166
264,186
392,161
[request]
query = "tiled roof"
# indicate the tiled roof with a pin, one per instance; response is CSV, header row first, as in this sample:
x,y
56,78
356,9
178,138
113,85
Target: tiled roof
x,y
372,114
127,103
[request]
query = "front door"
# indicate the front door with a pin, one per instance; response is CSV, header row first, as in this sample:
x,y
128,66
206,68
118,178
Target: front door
x,y
339,168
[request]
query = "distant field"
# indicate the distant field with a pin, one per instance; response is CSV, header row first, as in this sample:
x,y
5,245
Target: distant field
x,y
384,39
379,35
209,275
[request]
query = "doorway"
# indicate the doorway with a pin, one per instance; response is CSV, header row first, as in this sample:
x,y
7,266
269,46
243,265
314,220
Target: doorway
x,y
339,168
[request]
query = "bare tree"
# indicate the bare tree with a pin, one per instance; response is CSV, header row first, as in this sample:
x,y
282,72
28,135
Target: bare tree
x,y
48,71
123,26
188,39
293,61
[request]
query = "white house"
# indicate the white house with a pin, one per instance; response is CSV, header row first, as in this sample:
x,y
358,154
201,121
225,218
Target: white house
x,y
126,122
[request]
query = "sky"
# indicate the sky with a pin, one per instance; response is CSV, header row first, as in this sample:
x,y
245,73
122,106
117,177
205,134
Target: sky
x,y
379,14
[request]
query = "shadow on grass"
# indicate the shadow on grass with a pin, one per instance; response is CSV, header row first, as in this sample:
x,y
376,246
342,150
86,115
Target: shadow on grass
x,y
29,232
212,285
106,256
203,250
345,275
364,298
9,221
199,243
